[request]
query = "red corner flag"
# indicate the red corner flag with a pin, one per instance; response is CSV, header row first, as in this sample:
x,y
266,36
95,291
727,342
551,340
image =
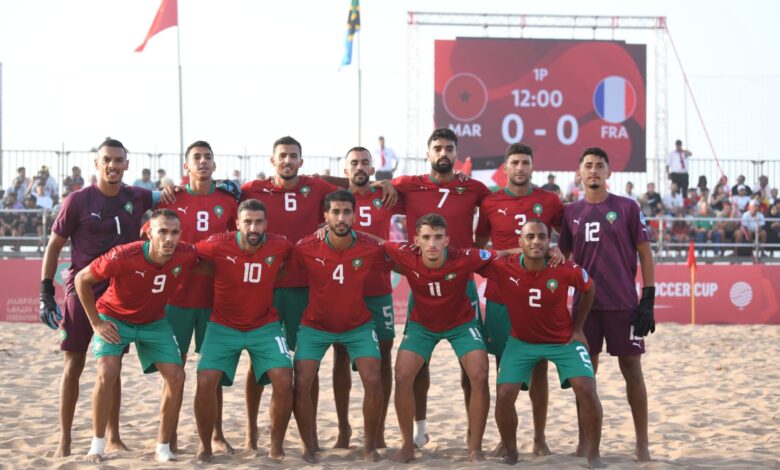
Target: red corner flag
x,y
167,16
691,257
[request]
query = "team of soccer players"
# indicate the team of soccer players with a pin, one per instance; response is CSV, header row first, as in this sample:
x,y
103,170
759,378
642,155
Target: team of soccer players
x,y
260,276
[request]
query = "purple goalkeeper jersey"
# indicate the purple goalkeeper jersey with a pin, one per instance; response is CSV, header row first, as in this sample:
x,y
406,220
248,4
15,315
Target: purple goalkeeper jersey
x,y
95,223
603,239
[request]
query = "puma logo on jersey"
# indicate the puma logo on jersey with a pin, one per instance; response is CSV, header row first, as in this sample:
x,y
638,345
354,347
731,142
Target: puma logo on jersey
x,y
576,221
503,211
231,258
96,214
320,260
183,209
416,274
516,281
266,190
141,273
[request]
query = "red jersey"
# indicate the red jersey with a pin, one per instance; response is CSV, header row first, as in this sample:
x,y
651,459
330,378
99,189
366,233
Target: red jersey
x,y
455,200
244,281
336,281
440,301
140,288
502,215
537,301
295,213
201,215
372,217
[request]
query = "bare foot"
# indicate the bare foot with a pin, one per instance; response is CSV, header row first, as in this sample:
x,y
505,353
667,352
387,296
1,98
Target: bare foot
x,y
510,458
63,449
420,441
476,456
380,442
250,442
277,455
221,445
308,456
372,456
95,458
642,454
500,451
405,455
540,448
204,455
113,445
468,436
342,441
580,452
595,463
315,447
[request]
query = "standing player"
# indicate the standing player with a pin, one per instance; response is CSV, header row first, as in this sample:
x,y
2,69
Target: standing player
x,y
203,211
437,277
604,233
440,192
542,329
143,275
337,268
374,218
245,263
501,218
95,219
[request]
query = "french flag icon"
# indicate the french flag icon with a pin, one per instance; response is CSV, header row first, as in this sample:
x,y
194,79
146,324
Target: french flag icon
x,y
614,99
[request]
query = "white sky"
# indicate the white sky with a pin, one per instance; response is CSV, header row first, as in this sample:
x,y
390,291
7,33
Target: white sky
x,y
257,70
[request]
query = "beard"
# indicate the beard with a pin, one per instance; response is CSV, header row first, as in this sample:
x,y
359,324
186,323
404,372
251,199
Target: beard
x,y
442,166
340,229
360,179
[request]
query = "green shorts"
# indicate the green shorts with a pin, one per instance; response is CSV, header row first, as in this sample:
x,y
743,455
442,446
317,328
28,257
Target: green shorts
x,y
471,293
381,307
291,302
267,348
497,327
184,322
359,342
519,359
421,341
154,342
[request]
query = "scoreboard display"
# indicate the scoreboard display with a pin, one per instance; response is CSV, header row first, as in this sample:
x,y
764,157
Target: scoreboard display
x,y
559,96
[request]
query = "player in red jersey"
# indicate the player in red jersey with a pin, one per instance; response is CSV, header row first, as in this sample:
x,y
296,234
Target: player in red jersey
x,y
371,216
203,211
501,217
437,276
245,264
536,294
337,268
143,275
441,192
95,219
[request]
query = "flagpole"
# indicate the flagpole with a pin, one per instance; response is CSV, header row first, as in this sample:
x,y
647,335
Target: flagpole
x,y
360,94
693,296
181,107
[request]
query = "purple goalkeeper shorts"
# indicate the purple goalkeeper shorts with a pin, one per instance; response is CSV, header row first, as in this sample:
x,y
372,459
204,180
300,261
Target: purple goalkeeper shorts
x,y
614,326
75,330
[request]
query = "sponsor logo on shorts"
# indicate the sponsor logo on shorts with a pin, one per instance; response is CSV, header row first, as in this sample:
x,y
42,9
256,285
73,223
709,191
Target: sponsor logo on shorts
x,y
538,208
611,216
552,284
305,190
63,334
129,207
218,210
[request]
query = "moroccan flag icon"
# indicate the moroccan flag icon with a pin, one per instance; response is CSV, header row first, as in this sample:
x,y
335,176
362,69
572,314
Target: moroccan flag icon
x,y
614,99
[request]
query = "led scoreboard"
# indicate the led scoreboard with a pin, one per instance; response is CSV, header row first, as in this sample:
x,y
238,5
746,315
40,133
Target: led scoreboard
x,y
559,96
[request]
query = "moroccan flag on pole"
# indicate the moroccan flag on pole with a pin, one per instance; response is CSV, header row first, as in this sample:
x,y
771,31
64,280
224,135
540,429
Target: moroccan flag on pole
x,y
692,267
353,26
167,16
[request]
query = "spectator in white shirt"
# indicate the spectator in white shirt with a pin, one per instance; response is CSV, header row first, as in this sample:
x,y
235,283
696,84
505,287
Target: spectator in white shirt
x,y
677,166
742,198
673,200
630,192
752,222
385,160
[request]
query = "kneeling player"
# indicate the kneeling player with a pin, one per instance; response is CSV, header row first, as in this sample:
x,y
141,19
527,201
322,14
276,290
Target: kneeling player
x,y
243,317
542,329
143,276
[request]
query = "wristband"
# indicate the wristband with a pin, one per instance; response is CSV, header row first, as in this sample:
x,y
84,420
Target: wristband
x,y
47,287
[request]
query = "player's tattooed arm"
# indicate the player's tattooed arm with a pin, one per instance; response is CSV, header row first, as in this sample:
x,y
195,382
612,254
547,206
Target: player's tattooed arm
x,y
586,303
105,329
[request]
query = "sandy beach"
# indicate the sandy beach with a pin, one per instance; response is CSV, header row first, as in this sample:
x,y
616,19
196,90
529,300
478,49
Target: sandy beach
x,y
714,394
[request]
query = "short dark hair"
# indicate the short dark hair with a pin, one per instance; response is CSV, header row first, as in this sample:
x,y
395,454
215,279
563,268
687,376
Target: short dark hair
x,y
199,143
431,220
357,149
443,133
678,142
595,151
21,168
146,170
536,221
109,142
340,195
167,213
287,140
519,148
251,205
